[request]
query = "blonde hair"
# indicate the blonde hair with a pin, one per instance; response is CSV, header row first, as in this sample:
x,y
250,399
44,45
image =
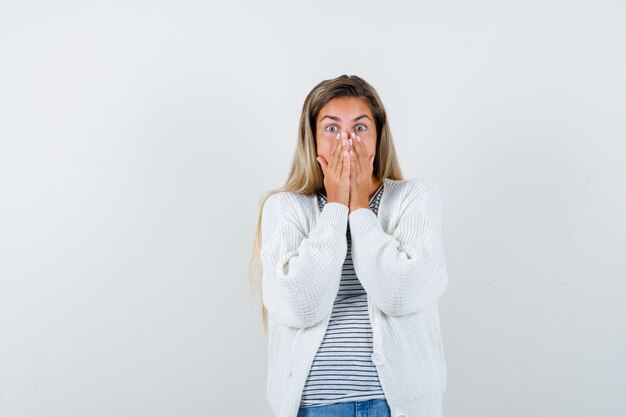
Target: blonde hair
x,y
306,176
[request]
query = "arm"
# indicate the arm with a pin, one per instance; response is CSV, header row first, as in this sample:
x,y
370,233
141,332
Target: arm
x,y
403,272
301,274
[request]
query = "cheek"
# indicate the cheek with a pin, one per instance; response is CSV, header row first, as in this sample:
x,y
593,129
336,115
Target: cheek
x,y
371,150
325,146
370,143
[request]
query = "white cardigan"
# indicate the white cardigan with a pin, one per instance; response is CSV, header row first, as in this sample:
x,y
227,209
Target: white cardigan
x,y
398,257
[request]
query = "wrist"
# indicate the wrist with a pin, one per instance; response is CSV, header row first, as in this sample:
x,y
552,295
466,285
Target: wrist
x,y
338,198
358,206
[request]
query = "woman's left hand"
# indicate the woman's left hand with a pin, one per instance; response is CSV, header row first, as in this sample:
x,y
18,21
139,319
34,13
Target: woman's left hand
x,y
361,168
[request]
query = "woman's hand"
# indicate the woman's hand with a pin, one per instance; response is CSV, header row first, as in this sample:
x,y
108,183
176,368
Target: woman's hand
x,y
337,172
361,168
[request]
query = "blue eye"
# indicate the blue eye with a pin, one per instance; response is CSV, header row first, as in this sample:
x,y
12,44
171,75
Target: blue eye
x,y
331,126
361,130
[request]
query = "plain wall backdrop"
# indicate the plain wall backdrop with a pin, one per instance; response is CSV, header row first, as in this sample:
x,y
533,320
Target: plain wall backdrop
x,y
137,137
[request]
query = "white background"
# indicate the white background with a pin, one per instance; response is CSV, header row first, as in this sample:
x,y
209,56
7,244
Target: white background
x,y
136,139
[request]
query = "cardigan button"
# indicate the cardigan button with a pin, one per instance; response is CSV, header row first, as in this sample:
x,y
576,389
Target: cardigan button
x,y
378,358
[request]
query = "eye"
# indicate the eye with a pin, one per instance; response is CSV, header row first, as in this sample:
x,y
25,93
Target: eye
x,y
328,128
364,128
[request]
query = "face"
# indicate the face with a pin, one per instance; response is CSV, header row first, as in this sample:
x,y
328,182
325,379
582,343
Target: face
x,y
345,114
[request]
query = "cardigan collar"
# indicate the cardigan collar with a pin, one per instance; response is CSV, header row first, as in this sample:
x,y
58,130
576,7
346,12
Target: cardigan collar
x,y
385,185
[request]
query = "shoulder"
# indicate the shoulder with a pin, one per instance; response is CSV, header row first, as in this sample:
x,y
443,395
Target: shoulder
x,y
415,186
285,202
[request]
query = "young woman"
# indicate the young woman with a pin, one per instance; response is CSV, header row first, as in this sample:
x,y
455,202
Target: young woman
x,y
351,267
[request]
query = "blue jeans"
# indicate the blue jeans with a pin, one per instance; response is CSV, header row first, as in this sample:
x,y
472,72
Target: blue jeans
x,y
370,408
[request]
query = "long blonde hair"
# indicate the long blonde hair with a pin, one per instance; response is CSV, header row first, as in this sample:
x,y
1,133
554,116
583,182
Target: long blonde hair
x,y
306,176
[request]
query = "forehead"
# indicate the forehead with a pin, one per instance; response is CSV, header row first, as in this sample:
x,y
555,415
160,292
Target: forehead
x,y
346,108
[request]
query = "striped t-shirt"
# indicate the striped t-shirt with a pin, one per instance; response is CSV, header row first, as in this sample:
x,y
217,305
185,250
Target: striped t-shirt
x,y
342,369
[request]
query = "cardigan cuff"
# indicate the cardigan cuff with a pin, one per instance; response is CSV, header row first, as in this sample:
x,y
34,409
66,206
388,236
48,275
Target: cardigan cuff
x,y
336,215
362,221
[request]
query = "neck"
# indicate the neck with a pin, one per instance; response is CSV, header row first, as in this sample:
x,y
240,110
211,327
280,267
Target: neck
x,y
376,183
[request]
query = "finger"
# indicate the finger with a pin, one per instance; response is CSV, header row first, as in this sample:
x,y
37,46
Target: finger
x,y
358,156
353,166
336,155
323,164
335,167
340,154
345,172
346,144
351,140
358,143
364,155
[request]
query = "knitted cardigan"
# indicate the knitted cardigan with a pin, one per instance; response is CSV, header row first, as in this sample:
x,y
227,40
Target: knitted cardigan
x,y
398,257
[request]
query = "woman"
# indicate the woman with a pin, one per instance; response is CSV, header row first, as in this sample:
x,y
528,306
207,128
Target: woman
x,y
352,266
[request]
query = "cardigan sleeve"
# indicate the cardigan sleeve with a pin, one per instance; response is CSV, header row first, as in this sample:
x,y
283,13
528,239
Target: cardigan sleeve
x,y
405,271
301,270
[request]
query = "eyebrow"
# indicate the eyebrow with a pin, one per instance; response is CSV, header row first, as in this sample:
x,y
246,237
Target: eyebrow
x,y
338,119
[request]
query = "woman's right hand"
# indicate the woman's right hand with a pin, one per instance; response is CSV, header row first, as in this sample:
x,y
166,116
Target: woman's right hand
x,y
337,171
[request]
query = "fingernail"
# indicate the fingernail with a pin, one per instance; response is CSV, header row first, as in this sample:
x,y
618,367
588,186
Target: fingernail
x,y
358,138
350,141
345,153
351,153
344,142
344,135
338,136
